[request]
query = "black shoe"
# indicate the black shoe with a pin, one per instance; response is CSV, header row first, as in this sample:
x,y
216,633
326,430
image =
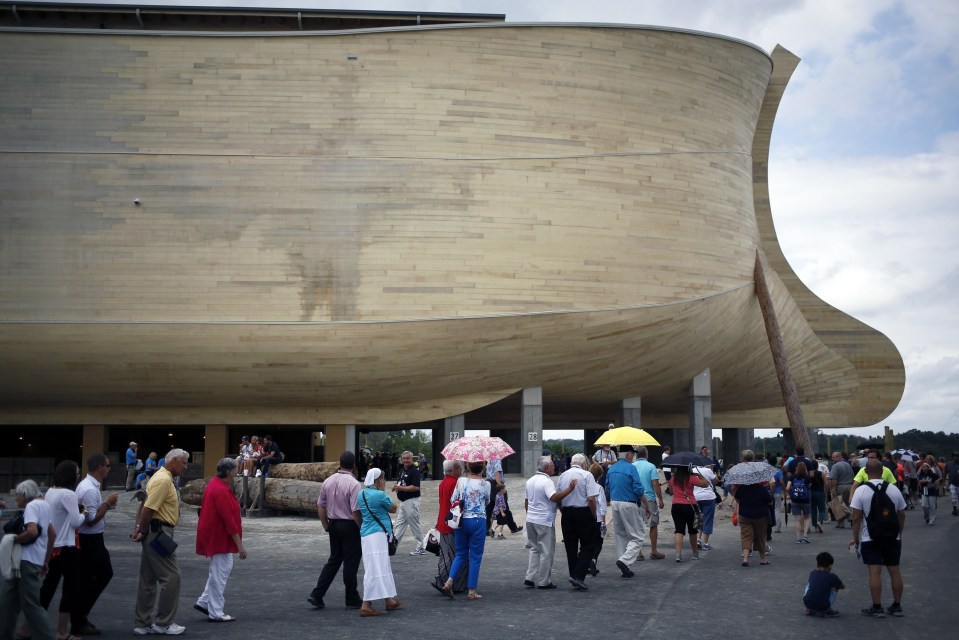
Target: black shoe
x,y
354,605
579,585
874,612
203,610
593,571
529,583
626,571
86,629
549,586
316,602
518,529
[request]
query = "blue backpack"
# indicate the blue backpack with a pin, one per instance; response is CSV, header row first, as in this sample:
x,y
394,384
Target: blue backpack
x,y
799,491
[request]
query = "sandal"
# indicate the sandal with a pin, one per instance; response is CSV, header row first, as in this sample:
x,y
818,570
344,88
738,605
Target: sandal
x,y
474,596
447,591
745,564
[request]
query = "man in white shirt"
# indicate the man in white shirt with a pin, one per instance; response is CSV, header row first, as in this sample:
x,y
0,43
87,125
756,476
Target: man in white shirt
x,y
93,558
881,552
541,500
579,519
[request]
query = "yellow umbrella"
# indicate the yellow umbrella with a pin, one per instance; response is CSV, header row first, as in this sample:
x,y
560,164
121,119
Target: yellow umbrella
x,y
627,435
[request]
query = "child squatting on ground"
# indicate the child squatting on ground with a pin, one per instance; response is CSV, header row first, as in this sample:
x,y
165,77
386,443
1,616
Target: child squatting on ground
x,y
822,589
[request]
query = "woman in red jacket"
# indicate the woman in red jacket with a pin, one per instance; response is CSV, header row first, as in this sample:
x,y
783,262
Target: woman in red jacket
x,y
219,534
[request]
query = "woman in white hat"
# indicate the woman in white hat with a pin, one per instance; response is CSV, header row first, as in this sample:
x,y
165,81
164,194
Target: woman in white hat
x,y
376,507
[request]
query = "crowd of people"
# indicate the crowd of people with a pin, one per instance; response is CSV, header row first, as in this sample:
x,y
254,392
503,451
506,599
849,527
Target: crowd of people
x,y
59,538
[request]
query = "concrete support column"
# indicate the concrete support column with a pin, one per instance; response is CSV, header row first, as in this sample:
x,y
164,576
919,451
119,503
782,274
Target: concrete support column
x,y
339,438
734,441
700,412
215,446
94,441
632,412
531,430
452,428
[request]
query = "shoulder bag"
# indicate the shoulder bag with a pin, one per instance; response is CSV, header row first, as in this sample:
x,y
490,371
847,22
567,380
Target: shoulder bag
x,y
454,517
391,542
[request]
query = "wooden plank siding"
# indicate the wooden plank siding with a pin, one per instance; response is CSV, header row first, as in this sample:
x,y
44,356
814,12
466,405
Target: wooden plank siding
x,y
400,225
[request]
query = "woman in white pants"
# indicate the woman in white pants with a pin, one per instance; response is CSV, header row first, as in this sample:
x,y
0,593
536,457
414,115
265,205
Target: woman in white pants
x,y
219,534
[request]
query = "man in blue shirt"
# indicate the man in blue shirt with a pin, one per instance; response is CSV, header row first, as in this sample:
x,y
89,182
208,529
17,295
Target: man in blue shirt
x,y
131,465
625,491
649,476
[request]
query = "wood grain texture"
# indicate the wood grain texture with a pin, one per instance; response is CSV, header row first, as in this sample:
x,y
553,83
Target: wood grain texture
x,y
452,216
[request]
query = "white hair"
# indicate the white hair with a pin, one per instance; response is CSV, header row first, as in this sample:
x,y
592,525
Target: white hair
x,y
579,460
28,490
449,466
176,454
543,463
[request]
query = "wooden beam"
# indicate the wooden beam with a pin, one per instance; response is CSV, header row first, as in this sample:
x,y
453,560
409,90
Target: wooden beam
x,y
790,396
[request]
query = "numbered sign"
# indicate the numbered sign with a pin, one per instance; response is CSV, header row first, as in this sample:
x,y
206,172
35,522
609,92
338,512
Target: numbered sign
x,y
454,435
532,436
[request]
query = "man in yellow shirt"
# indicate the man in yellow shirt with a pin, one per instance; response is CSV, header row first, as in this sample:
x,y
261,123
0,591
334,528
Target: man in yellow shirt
x,y
157,518
861,477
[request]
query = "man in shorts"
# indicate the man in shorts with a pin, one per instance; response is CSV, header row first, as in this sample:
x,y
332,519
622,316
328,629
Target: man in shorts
x,y
649,476
878,553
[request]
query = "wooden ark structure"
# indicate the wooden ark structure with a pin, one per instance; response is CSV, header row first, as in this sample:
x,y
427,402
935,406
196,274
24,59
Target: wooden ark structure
x,y
458,223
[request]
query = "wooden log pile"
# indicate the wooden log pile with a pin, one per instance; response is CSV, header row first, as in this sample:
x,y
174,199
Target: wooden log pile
x,y
282,494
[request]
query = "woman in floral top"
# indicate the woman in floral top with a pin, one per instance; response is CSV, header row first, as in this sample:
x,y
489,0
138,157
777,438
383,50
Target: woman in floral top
x,y
473,495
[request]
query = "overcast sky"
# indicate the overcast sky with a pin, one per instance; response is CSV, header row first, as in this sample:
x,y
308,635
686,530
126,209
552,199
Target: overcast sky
x,y
864,166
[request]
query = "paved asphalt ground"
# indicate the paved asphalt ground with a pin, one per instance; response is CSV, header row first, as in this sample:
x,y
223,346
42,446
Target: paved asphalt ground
x,y
711,597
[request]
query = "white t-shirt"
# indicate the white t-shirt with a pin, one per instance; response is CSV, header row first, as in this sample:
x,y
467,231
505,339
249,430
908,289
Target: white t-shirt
x,y
704,493
586,487
37,511
601,506
65,515
862,500
88,493
540,509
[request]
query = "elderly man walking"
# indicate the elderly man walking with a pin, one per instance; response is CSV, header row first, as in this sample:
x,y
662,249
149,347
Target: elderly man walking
x,y
541,500
159,515
625,492
579,519
407,489
340,516
93,559
219,534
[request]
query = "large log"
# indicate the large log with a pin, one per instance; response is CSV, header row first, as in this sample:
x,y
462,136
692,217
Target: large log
x,y
282,494
312,471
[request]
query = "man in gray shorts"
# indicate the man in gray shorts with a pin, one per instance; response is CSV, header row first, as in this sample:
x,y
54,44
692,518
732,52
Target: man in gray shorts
x,y
840,480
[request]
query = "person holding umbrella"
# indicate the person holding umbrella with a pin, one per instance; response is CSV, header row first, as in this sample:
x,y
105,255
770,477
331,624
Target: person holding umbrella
x,y
750,487
473,495
684,515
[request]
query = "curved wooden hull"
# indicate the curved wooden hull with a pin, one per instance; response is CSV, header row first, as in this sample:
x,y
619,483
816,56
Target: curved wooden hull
x,y
395,226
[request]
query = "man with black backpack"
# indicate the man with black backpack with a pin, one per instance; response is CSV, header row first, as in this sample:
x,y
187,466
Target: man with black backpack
x,y
878,517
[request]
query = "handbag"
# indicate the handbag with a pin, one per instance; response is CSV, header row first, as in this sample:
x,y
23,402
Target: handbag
x,y
697,512
839,508
454,517
391,542
433,542
163,544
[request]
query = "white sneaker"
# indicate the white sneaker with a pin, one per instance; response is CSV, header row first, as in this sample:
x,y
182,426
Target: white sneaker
x,y
258,473
172,629
418,552
142,631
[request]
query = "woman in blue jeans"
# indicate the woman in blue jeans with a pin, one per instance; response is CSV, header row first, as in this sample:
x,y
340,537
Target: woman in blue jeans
x,y
473,493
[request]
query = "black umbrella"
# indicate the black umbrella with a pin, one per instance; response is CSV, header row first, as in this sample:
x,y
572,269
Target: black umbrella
x,y
686,459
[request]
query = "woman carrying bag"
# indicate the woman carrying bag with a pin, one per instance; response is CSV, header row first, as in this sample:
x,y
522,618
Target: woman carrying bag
x,y
376,507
